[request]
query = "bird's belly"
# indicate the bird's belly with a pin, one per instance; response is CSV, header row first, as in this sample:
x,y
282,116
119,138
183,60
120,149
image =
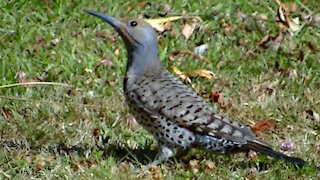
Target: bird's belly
x,y
164,131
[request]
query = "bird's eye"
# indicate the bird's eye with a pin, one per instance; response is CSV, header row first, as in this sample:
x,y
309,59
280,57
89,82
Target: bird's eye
x,y
133,23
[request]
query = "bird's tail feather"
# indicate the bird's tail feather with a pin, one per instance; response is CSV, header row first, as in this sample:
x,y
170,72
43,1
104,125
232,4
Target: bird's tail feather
x,y
256,146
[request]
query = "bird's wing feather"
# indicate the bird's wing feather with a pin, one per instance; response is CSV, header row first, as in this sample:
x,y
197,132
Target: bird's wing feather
x,y
164,95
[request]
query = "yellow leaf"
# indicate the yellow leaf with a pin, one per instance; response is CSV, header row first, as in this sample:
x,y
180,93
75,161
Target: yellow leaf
x,y
201,72
162,20
179,73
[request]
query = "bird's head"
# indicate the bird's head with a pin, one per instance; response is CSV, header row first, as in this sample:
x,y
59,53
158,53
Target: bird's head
x,y
134,32
141,43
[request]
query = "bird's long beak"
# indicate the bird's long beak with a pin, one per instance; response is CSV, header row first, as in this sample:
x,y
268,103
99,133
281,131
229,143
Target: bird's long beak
x,y
116,24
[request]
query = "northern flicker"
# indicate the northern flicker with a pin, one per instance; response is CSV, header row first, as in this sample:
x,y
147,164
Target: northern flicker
x,y
168,109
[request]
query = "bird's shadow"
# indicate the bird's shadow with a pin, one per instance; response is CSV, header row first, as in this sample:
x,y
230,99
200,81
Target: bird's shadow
x,y
139,156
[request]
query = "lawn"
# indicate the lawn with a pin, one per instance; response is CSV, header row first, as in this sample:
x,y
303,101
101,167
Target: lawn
x,y
266,66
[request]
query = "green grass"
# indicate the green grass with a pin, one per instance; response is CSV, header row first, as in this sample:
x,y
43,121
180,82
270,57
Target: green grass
x,y
49,133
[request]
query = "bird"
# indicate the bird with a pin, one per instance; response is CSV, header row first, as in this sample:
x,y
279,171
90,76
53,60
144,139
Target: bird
x,y
171,111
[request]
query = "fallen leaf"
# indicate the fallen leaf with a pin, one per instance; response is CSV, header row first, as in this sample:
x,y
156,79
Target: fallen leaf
x,y
276,43
188,30
106,62
281,14
289,7
39,43
179,73
301,56
158,27
253,155
265,89
311,47
250,53
166,8
262,125
252,173
140,4
96,132
194,165
265,40
292,73
294,24
227,27
218,98
73,91
209,166
315,115
199,50
316,18
318,149
6,113
152,22
131,121
201,72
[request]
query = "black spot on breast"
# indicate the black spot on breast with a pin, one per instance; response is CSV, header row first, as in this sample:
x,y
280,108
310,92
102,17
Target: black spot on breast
x,y
168,130
198,110
190,106
180,136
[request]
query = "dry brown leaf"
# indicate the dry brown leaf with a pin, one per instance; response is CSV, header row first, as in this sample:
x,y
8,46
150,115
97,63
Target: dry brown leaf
x,y
194,165
292,73
131,121
263,125
265,40
188,30
39,43
311,47
289,7
6,113
140,4
201,72
218,98
276,43
227,27
315,115
253,155
252,173
318,149
158,27
300,57
209,166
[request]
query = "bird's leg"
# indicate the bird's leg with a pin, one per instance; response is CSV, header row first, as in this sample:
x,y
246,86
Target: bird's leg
x,y
164,155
